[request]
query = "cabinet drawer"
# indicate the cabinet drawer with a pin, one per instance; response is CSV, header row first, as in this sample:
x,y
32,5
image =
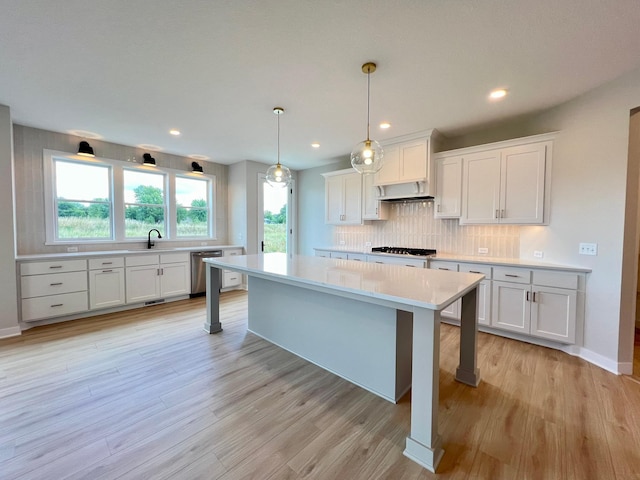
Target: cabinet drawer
x,y
340,255
513,275
175,257
231,278
39,268
551,278
232,251
358,257
474,268
111,262
41,285
438,265
53,306
138,260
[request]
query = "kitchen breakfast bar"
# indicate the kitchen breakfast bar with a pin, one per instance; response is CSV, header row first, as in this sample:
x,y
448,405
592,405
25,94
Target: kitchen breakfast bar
x,y
376,325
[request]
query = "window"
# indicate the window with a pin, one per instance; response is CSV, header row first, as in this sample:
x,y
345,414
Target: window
x,y
93,200
144,203
192,207
82,201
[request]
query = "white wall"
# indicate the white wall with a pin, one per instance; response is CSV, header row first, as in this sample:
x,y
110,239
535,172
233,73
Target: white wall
x,y
9,291
312,231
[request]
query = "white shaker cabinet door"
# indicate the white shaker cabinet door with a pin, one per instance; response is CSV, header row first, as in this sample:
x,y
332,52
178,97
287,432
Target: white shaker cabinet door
x,y
522,184
481,188
106,288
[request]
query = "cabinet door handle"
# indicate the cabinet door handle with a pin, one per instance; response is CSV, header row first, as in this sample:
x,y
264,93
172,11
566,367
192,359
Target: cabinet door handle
x,y
497,214
57,305
379,262
528,297
502,214
511,275
442,268
473,271
412,266
107,271
356,260
107,263
438,208
534,296
55,266
55,284
162,271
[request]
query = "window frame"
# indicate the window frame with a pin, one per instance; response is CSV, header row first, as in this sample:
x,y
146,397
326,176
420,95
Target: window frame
x,y
116,179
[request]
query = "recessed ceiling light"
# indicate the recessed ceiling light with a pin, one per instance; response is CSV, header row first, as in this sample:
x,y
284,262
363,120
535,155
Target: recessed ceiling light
x,y
315,145
175,132
498,93
385,125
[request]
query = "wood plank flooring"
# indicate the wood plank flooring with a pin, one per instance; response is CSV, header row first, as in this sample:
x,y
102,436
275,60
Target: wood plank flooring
x,y
147,394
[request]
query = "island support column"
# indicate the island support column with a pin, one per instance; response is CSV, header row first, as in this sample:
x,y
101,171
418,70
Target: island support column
x,y
213,277
424,444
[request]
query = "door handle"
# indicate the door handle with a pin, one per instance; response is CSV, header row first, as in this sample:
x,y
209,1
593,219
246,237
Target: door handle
x,y
262,246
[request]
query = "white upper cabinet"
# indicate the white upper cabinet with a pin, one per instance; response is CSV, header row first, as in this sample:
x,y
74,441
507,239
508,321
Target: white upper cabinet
x,y
404,162
507,183
448,197
343,197
372,208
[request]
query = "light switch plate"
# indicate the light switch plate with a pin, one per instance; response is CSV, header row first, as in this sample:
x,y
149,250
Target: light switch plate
x,y
588,249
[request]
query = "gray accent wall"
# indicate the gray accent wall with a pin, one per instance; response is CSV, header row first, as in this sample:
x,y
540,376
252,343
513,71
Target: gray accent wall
x,y
9,291
29,144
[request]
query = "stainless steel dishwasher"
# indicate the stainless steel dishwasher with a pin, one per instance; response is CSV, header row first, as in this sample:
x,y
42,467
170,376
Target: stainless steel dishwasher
x,y
198,270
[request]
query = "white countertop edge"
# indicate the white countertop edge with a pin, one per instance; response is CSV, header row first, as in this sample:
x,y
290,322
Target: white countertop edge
x,y
502,261
381,298
102,253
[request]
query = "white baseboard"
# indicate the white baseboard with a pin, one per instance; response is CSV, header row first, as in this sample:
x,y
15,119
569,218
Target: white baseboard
x,y
10,332
603,362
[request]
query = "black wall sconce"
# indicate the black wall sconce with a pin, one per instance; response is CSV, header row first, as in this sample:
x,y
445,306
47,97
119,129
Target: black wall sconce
x,y
197,168
85,149
148,160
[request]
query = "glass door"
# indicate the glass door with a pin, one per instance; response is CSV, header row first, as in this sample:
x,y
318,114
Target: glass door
x,y
275,229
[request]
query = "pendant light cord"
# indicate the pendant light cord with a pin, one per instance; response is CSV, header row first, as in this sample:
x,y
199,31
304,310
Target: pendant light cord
x,y
368,99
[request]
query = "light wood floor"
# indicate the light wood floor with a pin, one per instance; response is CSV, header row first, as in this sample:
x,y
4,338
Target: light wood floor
x,y
147,394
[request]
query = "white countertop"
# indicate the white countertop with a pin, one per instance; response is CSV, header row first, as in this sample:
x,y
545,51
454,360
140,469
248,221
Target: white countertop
x,y
132,251
505,262
420,287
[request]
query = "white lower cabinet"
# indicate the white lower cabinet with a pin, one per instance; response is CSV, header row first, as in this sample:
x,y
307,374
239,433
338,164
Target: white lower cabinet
x,y
151,277
52,289
230,279
106,282
541,303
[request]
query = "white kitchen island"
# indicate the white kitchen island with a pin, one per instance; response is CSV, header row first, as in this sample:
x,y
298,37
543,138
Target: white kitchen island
x,y
376,325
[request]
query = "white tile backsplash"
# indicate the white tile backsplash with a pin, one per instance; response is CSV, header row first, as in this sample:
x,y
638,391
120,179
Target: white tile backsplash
x,y
412,224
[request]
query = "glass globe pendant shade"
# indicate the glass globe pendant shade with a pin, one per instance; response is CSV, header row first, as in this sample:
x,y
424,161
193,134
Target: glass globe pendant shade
x,y
278,176
367,156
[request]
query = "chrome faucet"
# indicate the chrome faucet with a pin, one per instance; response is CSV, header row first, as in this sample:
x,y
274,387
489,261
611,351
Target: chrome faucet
x,y
149,242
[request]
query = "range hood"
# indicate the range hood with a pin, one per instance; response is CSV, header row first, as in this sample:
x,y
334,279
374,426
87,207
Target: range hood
x,y
398,192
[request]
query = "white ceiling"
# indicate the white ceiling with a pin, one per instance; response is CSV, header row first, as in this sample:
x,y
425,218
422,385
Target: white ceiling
x,y
129,70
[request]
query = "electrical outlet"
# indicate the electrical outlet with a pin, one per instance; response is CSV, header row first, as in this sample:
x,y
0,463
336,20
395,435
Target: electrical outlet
x,y
588,249
538,254
72,249
483,250
367,244
203,244
341,242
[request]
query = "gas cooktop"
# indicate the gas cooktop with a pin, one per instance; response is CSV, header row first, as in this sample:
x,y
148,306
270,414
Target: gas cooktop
x,y
418,252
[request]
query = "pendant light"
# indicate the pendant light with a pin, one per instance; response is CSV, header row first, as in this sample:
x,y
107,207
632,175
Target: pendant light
x,y
366,156
278,175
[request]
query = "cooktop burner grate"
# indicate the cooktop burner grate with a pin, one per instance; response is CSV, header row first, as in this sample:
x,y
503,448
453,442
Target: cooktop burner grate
x,y
419,252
